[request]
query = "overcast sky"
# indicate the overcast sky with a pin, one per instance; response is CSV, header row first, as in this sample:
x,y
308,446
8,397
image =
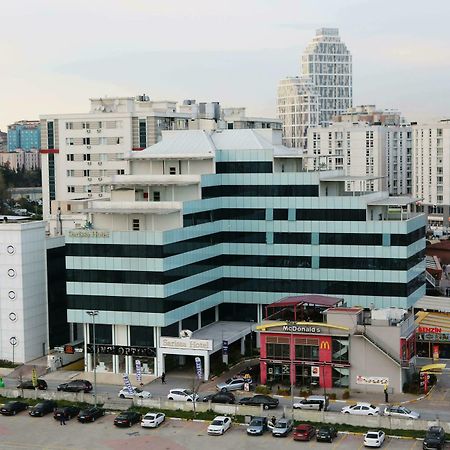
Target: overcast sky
x,y
55,54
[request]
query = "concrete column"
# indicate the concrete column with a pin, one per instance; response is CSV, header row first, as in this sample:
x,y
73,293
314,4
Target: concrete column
x,y
243,345
206,368
199,317
259,318
182,360
87,356
159,356
216,313
180,327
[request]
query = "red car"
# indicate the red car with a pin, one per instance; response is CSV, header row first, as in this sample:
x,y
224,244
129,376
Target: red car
x,y
304,432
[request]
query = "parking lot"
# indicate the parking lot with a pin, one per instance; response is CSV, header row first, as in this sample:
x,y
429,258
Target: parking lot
x,y
24,432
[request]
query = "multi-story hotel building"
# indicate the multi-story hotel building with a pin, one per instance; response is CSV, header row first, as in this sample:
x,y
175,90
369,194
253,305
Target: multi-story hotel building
x,y
80,151
381,152
431,170
211,226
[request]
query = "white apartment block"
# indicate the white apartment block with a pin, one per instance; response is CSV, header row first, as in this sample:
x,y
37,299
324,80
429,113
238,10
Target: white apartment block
x,y
20,159
81,151
431,170
298,109
360,149
23,291
328,63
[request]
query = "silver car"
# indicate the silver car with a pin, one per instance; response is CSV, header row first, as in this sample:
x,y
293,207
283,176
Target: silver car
x,y
232,384
257,426
401,411
282,427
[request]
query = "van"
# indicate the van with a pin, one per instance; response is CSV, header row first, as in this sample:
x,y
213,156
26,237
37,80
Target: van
x,y
315,402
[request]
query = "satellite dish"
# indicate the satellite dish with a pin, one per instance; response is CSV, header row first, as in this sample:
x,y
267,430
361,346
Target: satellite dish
x,y
186,334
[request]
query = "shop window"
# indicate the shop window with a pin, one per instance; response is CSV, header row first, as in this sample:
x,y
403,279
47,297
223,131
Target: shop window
x,y
340,350
340,377
277,348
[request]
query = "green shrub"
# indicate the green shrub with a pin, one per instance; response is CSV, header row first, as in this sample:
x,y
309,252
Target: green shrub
x,y
283,391
262,389
305,392
346,395
8,364
332,395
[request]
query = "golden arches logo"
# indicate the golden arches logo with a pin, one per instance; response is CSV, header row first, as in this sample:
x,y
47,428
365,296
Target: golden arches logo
x,y
324,345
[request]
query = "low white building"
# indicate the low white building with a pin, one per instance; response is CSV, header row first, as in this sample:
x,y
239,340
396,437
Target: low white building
x,y
361,149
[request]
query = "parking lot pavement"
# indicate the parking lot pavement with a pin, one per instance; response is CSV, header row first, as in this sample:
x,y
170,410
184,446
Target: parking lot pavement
x,y
24,432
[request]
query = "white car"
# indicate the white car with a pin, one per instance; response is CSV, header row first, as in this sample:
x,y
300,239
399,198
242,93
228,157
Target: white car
x,y
401,411
374,438
182,395
361,409
137,393
219,425
153,420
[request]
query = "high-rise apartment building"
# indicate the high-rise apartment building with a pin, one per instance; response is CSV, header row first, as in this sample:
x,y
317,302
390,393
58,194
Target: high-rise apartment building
x,y
25,135
212,226
431,170
80,151
21,160
298,109
360,149
323,90
328,63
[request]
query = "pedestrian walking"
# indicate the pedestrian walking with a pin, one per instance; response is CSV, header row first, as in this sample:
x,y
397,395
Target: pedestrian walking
x,y
62,419
386,394
163,378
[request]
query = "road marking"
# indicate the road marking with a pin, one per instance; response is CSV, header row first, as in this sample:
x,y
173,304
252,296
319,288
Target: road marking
x,y
339,441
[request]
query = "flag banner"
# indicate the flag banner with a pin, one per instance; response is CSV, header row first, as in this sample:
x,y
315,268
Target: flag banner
x,y
138,371
127,383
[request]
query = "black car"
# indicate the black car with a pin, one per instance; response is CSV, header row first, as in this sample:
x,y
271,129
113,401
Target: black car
x,y
68,412
220,397
75,386
28,384
42,408
90,414
434,439
259,399
127,418
326,434
12,408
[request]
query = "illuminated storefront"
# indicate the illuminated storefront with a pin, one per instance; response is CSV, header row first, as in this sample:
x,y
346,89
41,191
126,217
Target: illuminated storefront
x,y
305,354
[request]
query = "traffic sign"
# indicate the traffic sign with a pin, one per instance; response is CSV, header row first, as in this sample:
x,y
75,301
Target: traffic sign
x,y
225,347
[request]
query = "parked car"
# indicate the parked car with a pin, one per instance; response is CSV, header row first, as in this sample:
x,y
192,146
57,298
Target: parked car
x,y
42,408
12,408
326,434
315,402
28,384
68,412
361,409
260,399
257,426
219,425
127,419
304,432
282,427
90,414
401,411
374,438
137,393
75,386
232,384
182,395
153,420
434,438
220,397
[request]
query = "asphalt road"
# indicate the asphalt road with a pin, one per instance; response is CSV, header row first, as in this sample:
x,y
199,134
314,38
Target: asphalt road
x,y
46,433
436,406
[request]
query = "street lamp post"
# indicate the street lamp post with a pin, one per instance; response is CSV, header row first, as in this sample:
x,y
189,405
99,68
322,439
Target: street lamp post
x,y
94,313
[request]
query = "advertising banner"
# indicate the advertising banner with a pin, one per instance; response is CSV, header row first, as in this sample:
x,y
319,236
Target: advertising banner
x,y
360,379
198,368
138,371
127,383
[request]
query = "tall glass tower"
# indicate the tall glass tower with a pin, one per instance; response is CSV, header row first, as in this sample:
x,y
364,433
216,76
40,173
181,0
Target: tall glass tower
x,y
328,63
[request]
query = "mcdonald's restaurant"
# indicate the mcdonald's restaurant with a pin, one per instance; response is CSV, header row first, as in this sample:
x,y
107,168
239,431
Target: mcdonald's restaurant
x,y
312,342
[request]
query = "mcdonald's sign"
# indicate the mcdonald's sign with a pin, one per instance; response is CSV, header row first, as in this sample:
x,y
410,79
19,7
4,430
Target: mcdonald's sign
x,y
324,345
